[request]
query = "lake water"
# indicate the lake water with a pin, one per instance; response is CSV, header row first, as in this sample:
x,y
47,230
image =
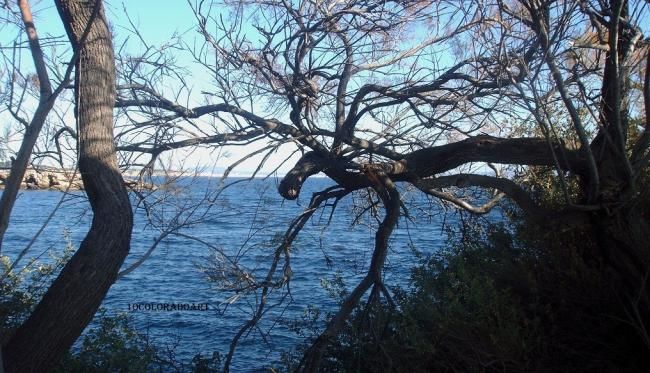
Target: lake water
x,y
240,223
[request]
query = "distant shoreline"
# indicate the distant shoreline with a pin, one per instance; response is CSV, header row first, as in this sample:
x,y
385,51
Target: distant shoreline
x,y
53,178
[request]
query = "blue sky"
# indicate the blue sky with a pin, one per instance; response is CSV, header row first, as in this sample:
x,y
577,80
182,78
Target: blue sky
x,y
158,22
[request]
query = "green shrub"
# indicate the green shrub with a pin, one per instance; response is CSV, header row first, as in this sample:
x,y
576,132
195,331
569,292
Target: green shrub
x,y
113,346
506,298
22,288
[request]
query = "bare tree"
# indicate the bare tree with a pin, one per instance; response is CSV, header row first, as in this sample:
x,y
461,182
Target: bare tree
x,y
74,296
49,135
424,93
32,128
429,94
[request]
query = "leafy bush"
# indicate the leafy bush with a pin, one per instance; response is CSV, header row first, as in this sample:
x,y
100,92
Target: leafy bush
x,y
21,289
498,298
113,346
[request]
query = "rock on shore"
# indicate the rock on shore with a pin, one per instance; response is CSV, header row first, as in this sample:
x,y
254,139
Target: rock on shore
x,y
47,178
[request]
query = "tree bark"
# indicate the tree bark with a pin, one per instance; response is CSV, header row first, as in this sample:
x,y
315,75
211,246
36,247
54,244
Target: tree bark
x,y
621,228
76,294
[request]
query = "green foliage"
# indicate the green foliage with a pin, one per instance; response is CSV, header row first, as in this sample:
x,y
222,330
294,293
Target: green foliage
x,y
113,346
15,304
459,308
456,316
202,364
21,290
498,298
335,287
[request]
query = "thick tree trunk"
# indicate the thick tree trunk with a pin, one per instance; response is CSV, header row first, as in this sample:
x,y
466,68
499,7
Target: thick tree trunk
x,y
72,300
622,225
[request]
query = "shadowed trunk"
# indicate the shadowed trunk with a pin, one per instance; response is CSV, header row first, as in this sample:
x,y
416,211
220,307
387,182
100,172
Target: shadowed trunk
x,y
621,232
621,226
72,300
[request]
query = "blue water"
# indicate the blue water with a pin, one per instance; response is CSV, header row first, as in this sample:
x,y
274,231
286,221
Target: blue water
x,y
240,222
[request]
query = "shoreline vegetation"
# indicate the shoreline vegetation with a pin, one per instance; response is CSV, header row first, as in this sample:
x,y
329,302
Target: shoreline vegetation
x,y
52,178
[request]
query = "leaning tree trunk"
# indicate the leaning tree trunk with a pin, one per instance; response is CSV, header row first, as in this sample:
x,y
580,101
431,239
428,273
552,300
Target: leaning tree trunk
x,y
72,300
621,226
